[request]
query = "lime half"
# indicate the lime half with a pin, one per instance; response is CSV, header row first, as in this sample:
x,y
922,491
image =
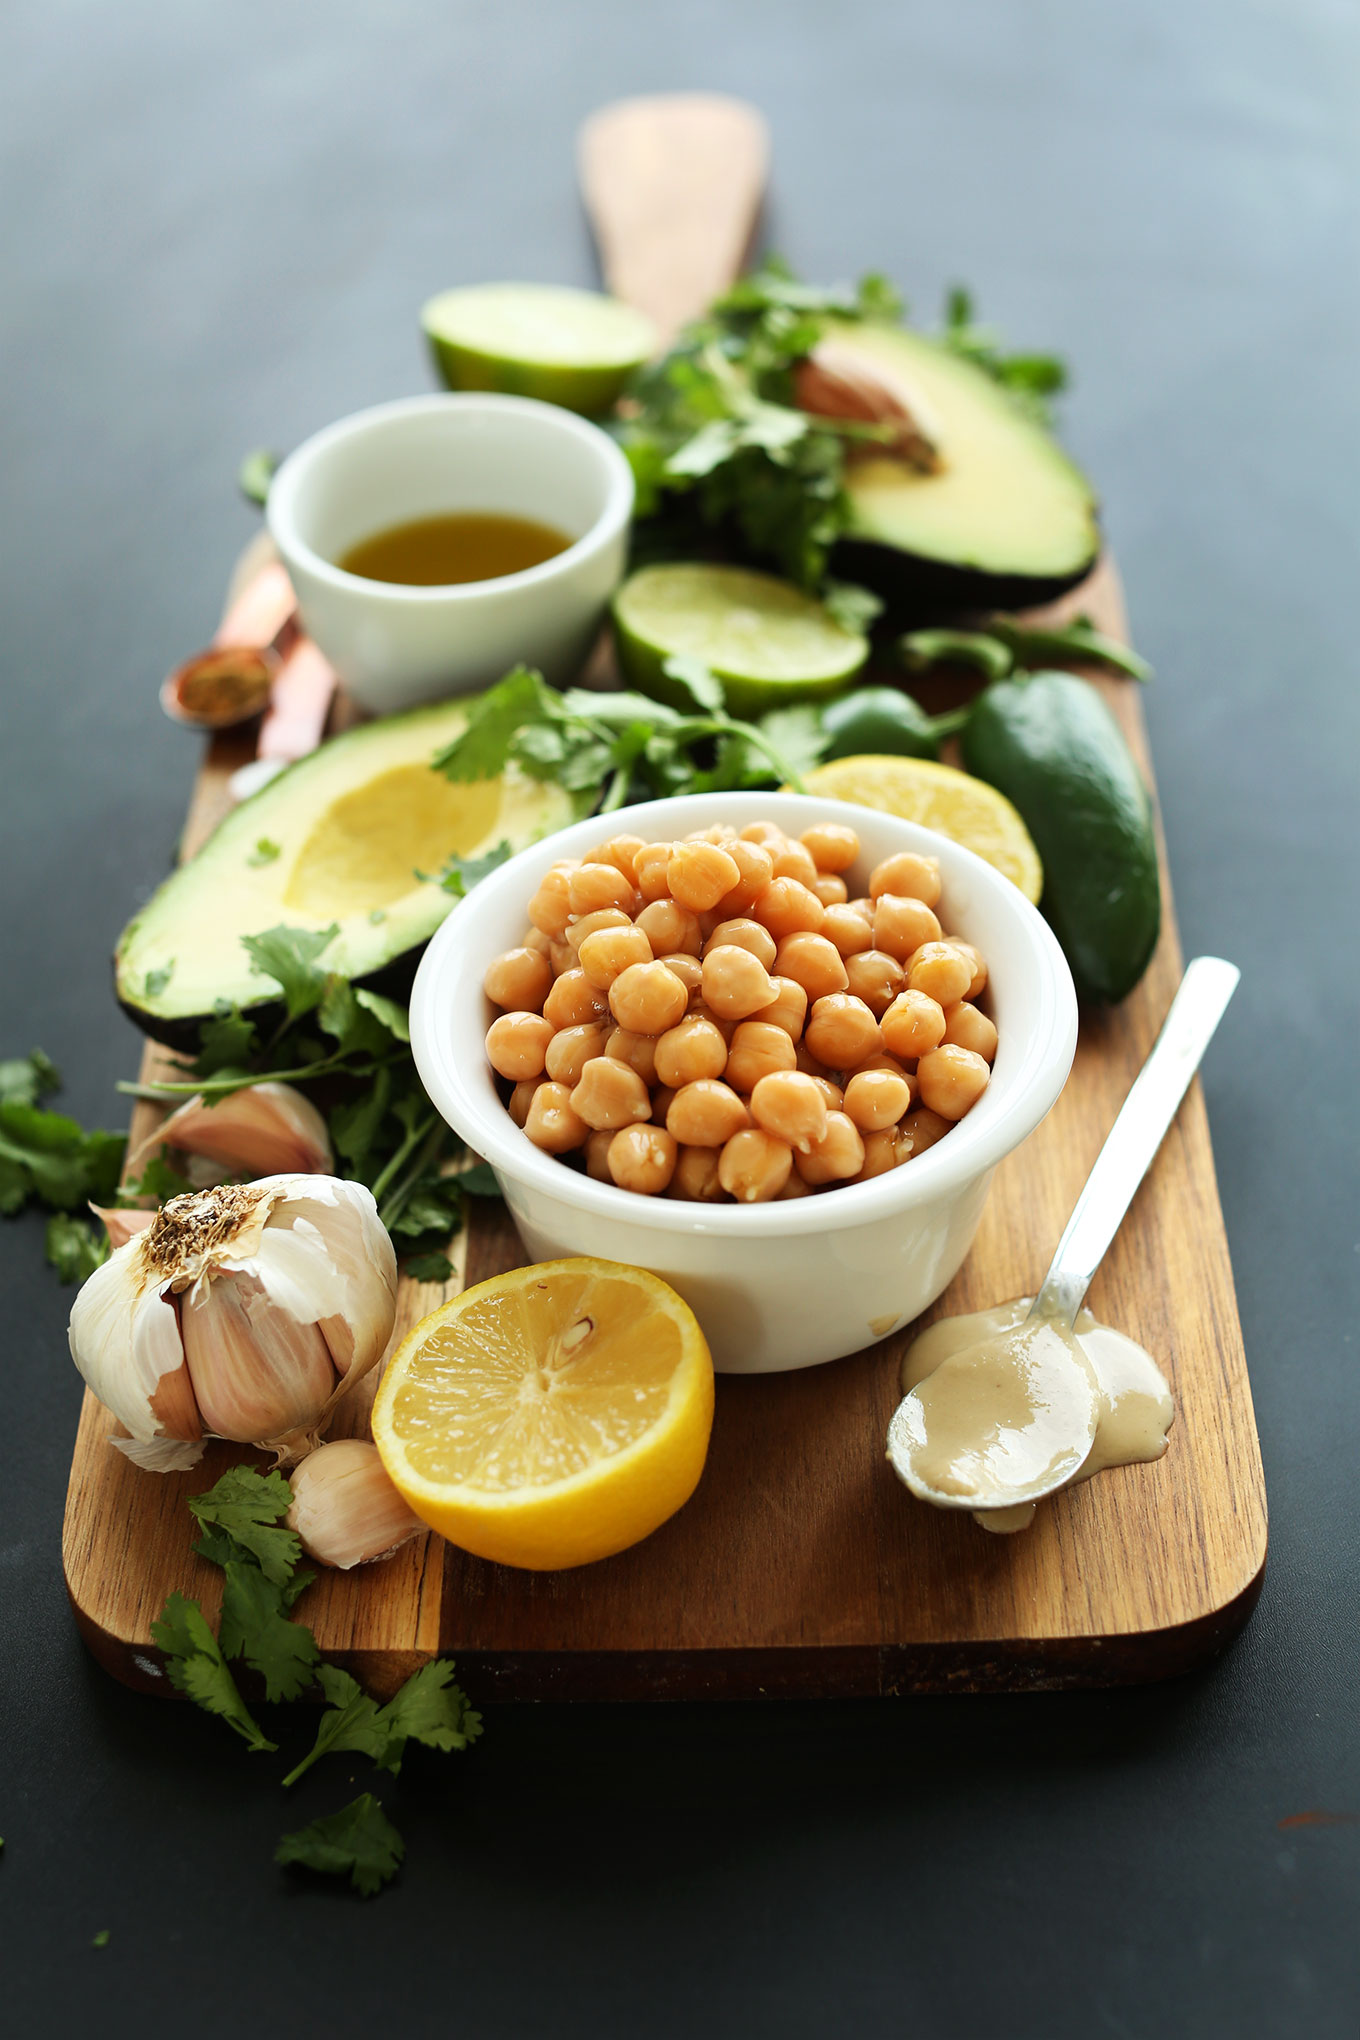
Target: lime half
x,y
569,347
766,640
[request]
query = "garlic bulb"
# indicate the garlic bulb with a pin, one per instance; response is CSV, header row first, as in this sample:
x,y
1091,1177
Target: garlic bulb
x,y
243,1312
122,1223
345,1509
261,1130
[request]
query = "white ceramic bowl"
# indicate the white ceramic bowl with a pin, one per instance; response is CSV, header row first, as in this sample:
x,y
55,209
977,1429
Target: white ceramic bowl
x,y
394,646
779,1285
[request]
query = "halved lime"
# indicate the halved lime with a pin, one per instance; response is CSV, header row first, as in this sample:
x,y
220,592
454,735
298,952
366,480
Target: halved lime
x,y
570,347
766,640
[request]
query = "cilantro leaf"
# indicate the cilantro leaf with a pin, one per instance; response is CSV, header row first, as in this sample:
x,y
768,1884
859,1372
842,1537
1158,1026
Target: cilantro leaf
x,y
158,1180
255,1625
479,1180
429,1709
986,651
428,1268
265,851
460,874
25,1079
435,1206
482,749
195,1665
227,1041
53,1158
157,980
354,1027
248,1507
73,1247
704,688
255,474
396,1019
288,955
359,1842
853,608
796,734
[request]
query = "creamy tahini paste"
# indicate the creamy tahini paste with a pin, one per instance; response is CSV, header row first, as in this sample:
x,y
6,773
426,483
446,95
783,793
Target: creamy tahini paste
x,y
1003,1418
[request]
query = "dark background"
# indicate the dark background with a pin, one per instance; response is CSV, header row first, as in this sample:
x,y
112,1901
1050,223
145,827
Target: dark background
x,y
216,227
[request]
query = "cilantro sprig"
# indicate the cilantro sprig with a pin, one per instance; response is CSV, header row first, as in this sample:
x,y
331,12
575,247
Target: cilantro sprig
x,y
243,1531
49,1159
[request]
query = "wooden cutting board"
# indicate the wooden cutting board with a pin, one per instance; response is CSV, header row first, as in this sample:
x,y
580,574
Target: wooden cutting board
x,y
801,1566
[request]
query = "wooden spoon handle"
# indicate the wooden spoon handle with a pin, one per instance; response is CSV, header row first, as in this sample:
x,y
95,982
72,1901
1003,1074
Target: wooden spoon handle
x,y
673,187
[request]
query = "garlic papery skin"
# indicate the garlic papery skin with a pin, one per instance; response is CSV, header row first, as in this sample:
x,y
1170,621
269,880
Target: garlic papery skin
x,y
345,1509
122,1223
245,1311
261,1130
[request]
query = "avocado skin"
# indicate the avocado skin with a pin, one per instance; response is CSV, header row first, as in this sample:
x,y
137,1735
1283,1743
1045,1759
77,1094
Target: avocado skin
x,y
180,1031
917,590
1049,743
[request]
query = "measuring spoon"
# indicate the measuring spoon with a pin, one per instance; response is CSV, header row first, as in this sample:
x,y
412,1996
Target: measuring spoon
x,y
1009,1420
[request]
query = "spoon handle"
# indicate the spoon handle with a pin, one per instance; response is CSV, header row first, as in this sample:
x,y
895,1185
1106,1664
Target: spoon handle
x,y
1137,1133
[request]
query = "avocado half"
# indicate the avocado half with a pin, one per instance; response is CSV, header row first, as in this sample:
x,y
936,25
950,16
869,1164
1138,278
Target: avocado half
x,y
338,837
1007,522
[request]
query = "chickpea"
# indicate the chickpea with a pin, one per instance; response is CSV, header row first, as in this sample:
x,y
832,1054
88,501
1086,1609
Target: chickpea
x,y
521,1098
884,1150
951,1080
841,1031
755,867
597,1154
570,1049
716,832
518,980
517,1043
562,957
754,1166
550,907
788,907
923,1129
966,1027
837,1156
670,929
691,1050
599,885
705,1114
875,977
863,906
795,860
574,1001
534,938
699,874
908,873
746,934
607,953
637,1050
688,969
642,1158
787,1009
758,1048
912,1025
699,1011
791,1105
649,870
876,1099
830,890
735,983
813,963
768,834
609,1093
647,998
834,848
979,963
662,1099
696,1175
848,932
941,971
901,925
591,924
620,851
552,1124
795,1187
830,1090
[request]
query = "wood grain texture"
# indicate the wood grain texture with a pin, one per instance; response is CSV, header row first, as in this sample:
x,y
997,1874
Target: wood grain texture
x,y
801,1566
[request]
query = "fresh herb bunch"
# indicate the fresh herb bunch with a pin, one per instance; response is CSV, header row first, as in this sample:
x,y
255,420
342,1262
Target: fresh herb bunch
x,y
609,749
718,447
244,1532
48,1159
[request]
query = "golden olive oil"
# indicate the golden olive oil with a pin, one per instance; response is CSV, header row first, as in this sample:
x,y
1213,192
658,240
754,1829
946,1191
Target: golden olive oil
x,y
458,545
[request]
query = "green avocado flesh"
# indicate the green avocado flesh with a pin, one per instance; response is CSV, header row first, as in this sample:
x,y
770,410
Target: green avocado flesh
x,y
1008,518
351,825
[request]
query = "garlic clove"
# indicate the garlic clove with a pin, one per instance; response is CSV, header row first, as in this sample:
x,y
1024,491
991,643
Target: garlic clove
x,y
126,1342
121,1224
259,1376
334,1235
345,1509
263,1130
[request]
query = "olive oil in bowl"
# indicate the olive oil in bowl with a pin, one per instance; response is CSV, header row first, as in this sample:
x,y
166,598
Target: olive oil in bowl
x,y
456,545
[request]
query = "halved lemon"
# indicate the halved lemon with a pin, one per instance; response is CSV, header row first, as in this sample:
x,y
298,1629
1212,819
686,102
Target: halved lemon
x,y
550,1416
965,809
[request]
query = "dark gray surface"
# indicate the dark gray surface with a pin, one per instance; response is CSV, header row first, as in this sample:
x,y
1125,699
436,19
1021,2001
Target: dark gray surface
x,y
216,226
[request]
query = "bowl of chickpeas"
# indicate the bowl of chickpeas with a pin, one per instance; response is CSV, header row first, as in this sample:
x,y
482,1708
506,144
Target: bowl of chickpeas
x,y
770,1047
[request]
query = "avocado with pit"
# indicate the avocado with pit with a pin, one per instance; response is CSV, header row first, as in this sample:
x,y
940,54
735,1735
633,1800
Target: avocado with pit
x,y
1004,520
341,837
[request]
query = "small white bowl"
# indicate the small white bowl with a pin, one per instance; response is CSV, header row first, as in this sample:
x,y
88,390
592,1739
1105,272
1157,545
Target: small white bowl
x,y
394,645
781,1285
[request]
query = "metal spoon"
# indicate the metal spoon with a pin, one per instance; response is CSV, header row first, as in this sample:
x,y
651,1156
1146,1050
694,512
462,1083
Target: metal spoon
x,y
1047,1434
